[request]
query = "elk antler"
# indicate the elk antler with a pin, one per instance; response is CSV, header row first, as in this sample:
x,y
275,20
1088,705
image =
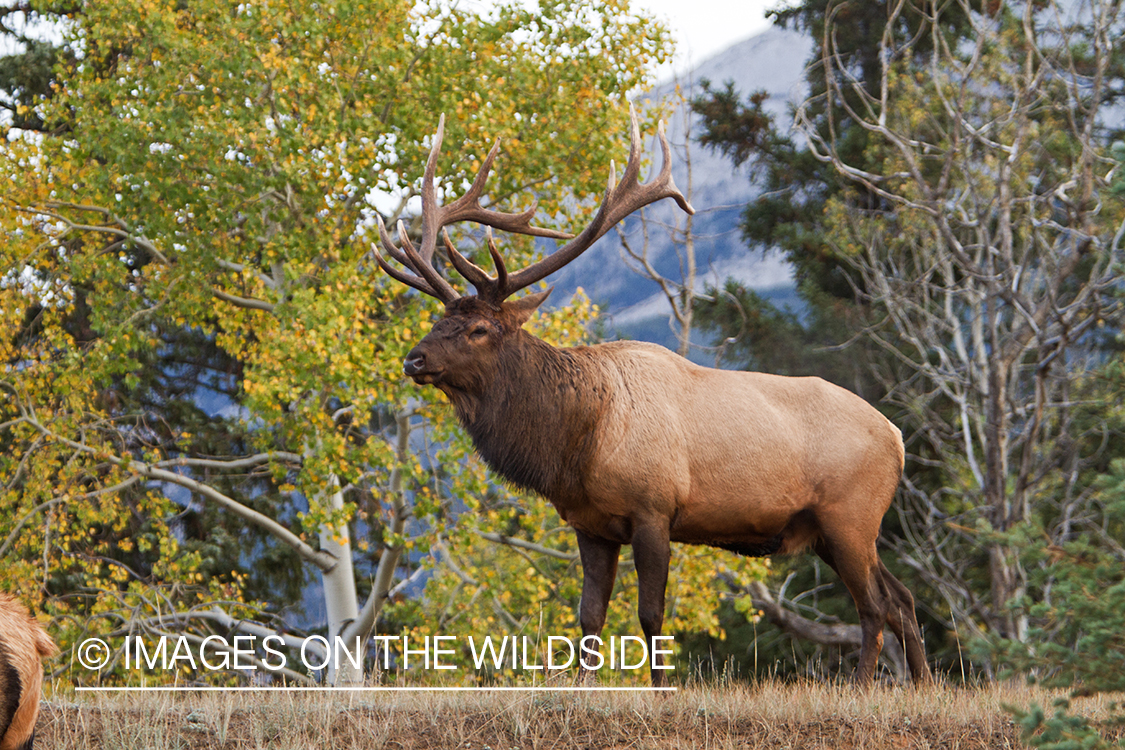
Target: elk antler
x,y
621,199
426,279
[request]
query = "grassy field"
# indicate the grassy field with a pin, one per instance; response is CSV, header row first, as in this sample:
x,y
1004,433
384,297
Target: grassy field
x,y
771,715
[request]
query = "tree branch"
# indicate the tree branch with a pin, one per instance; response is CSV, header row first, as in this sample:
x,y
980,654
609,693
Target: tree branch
x,y
321,559
529,546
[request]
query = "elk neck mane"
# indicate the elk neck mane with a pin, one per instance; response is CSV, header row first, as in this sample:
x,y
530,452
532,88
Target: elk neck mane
x,y
534,421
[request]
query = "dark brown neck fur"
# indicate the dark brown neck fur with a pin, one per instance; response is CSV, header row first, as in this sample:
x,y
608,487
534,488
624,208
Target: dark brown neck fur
x,y
534,421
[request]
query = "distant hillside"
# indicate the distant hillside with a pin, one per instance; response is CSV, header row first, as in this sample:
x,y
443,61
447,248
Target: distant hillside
x,y
772,61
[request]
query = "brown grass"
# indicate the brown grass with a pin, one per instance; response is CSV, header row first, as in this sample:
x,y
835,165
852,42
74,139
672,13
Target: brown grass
x,y
771,715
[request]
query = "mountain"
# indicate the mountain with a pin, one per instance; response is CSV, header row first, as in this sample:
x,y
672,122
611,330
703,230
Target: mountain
x,y
772,61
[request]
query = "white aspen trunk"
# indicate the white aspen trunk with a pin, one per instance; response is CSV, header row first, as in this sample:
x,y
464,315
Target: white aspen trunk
x,y
340,597
363,622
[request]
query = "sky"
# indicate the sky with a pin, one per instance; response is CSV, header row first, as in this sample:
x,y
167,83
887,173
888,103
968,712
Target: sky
x,y
704,27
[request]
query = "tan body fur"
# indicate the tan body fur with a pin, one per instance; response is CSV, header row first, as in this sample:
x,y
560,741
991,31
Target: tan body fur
x,y
23,643
688,445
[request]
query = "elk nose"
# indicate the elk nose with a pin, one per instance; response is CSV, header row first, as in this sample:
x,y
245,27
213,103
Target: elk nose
x,y
414,364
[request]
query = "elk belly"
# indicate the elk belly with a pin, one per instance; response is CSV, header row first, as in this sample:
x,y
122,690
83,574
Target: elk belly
x,y
589,520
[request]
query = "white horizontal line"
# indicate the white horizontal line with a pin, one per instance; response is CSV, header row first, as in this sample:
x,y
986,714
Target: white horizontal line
x,y
263,688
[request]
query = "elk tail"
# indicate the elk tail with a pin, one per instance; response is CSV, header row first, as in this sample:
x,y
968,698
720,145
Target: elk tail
x,y
897,433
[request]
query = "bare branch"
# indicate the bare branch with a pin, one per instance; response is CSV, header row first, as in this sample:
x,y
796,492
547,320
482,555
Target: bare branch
x,y
529,546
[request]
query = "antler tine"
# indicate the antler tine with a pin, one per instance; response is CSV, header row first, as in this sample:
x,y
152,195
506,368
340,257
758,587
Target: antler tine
x,y
498,262
421,263
632,172
488,288
471,199
468,208
666,171
426,279
431,212
405,278
471,271
389,245
622,197
442,291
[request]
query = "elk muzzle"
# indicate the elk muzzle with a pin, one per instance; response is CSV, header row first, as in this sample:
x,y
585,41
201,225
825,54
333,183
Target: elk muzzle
x,y
416,367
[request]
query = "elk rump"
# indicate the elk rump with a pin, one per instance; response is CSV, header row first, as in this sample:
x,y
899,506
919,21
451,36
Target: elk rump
x,y
23,643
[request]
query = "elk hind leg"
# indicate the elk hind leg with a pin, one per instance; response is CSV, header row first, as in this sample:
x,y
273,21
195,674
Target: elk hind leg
x,y
904,624
858,568
599,570
651,553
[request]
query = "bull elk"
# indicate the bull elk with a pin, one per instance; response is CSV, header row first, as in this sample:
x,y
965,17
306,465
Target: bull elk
x,y
635,445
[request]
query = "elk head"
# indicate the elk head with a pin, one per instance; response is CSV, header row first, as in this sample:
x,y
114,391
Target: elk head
x,y
462,349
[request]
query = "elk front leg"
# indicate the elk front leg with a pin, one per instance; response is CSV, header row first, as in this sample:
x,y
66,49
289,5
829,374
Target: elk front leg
x,y
599,570
651,553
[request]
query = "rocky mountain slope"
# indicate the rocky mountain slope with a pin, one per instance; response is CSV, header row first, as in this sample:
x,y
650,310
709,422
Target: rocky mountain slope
x,y
772,61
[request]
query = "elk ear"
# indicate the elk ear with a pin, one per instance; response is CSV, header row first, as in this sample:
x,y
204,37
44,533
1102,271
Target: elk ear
x,y
522,308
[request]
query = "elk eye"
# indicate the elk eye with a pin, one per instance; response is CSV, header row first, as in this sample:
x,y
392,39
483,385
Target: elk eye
x,y
478,332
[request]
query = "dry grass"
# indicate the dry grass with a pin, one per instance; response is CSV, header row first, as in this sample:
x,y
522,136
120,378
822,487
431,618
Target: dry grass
x,y
766,716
